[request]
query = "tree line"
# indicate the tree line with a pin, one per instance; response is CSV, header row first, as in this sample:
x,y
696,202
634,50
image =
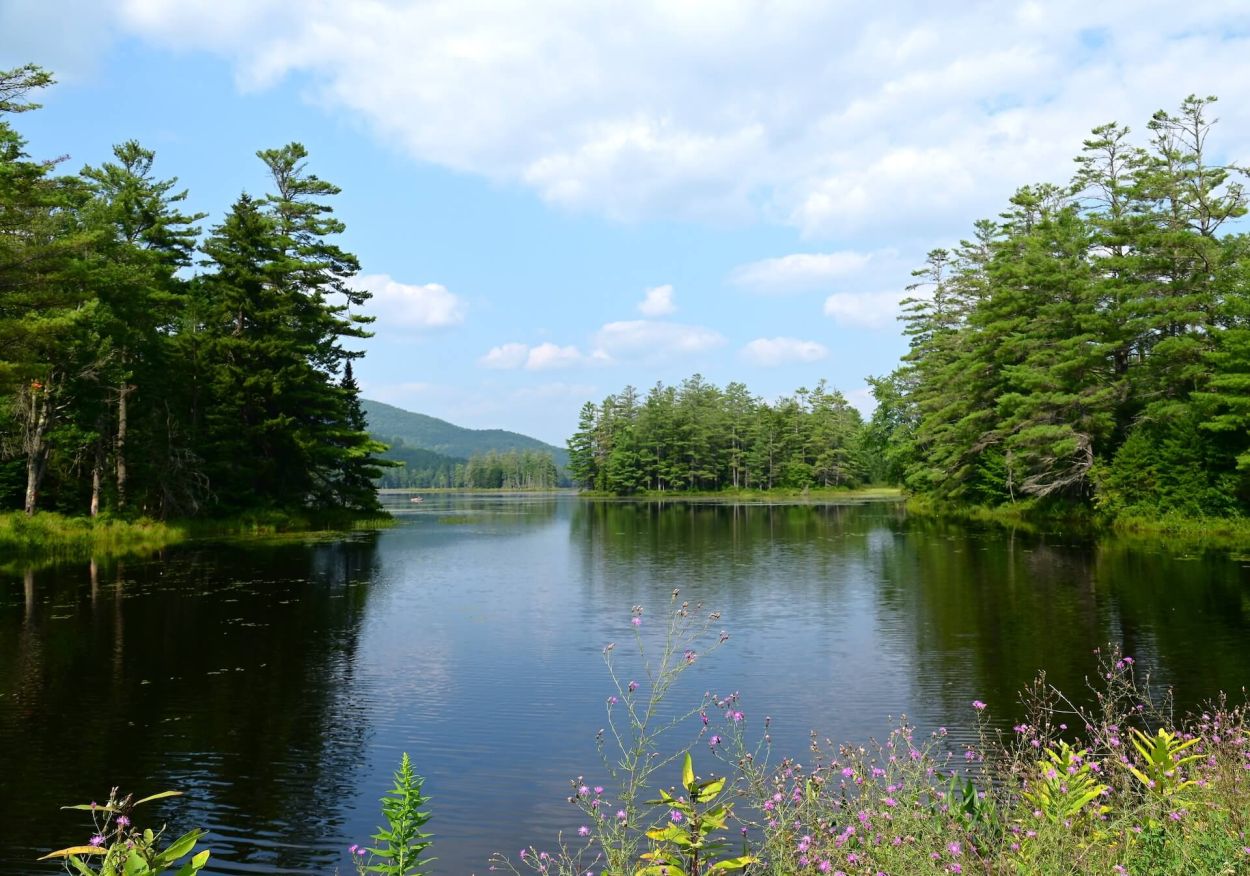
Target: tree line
x,y
493,470
699,437
1091,346
130,381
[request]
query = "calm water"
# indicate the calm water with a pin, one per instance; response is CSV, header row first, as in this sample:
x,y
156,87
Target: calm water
x,y
277,685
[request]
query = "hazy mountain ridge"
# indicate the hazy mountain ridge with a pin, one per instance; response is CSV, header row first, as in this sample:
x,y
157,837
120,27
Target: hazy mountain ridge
x,y
447,439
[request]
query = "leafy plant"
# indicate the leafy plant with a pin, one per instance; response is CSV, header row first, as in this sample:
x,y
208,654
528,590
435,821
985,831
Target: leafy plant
x,y
119,848
687,843
969,805
402,841
1065,785
1161,761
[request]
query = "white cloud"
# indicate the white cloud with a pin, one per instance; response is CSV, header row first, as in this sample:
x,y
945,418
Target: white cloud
x,y
798,271
882,116
505,356
410,306
770,352
547,356
544,357
650,340
864,309
658,301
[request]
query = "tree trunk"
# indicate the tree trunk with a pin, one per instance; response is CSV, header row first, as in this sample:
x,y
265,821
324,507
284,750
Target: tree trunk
x,y
36,410
95,486
123,393
34,476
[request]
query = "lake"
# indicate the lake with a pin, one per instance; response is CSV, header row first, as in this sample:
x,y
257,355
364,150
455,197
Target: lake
x,y
278,683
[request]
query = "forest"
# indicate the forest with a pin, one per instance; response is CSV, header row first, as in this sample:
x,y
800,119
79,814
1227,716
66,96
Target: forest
x,y
1086,351
1090,348
698,437
492,470
148,368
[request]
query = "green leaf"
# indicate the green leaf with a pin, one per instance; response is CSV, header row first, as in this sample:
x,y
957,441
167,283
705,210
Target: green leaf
x,y
195,865
179,847
733,864
136,866
77,864
687,772
670,833
161,796
708,790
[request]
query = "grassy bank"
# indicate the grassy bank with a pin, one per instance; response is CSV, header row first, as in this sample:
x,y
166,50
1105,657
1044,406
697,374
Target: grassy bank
x,y
474,491
1026,515
51,536
825,494
1175,531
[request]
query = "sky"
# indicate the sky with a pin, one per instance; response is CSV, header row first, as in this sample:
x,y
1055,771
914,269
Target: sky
x,y
553,199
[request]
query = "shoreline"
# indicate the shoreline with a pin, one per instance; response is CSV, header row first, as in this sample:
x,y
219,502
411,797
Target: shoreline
x,y
49,536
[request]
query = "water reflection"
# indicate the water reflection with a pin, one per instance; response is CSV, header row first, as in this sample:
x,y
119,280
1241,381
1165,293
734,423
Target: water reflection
x,y
223,672
879,613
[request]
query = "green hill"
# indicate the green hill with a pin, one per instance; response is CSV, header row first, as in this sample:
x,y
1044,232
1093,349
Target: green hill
x,y
430,433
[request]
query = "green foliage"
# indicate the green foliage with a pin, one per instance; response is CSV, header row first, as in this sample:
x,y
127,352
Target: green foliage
x,y
690,843
1065,786
120,848
698,437
1089,348
514,470
401,842
127,386
1161,769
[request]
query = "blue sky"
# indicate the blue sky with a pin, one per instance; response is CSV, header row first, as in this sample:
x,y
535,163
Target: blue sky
x,y
555,198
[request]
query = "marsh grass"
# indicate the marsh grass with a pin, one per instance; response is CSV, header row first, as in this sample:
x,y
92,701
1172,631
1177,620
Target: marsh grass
x,y
1169,533
48,538
54,537
814,495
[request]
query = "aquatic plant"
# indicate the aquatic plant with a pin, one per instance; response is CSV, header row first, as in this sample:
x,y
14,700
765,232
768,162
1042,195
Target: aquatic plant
x,y
118,846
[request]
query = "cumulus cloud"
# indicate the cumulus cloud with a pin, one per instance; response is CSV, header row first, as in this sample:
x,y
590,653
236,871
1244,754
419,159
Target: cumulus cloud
x,y
547,356
887,116
410,306
505,356
770,352
800,270
652,340
658,301
864,309
544,357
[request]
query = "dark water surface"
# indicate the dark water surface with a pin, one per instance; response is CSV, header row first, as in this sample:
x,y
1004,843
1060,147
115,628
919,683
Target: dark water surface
x,y
277,684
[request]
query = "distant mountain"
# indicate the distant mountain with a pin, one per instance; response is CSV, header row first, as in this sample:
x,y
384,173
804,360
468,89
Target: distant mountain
x,y
419,430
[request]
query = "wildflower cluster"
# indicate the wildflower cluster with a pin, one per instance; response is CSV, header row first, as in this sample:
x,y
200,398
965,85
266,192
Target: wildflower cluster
x,y
117,846
1121,787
